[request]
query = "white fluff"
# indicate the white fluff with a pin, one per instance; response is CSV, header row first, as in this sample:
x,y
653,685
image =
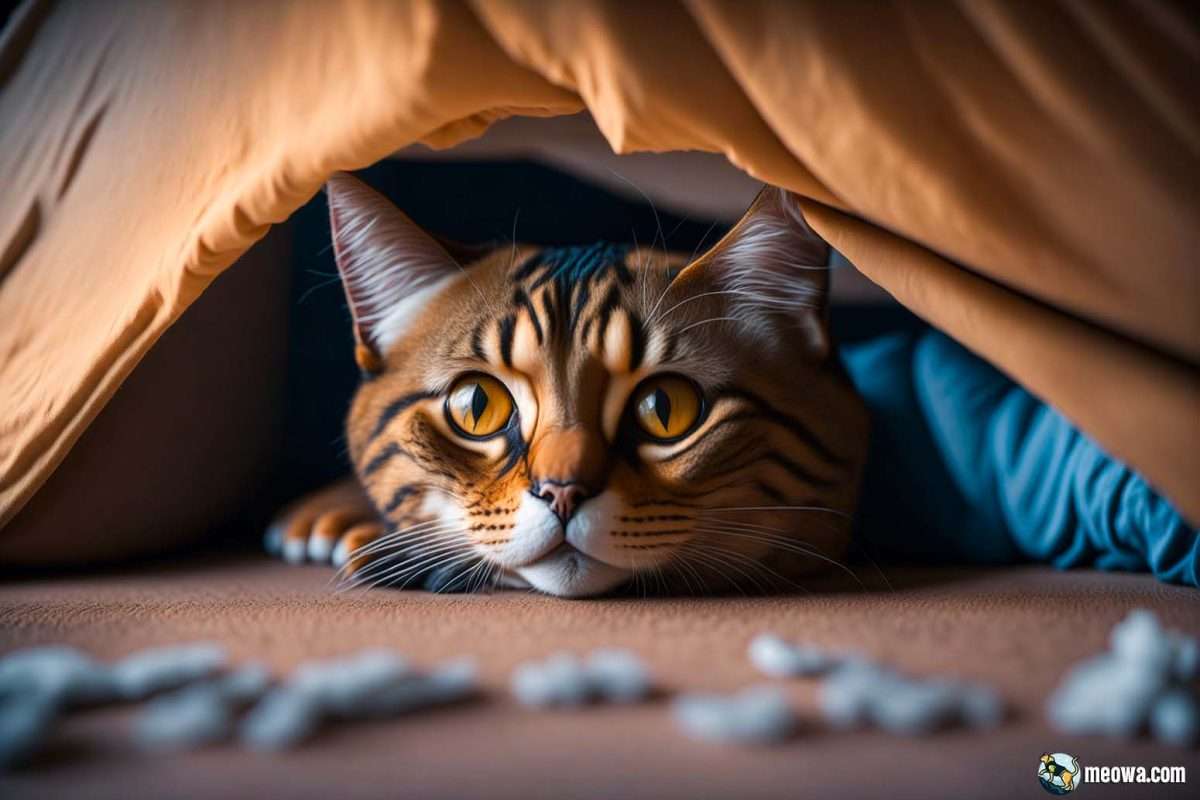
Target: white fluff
x,y
282,719
1175,719
757,715
912,708
371,684
65,674
618,676
38,684
345,687
161,668
1105,695
1139,639
452,682
191,719
200,714
1185,657
1142,680
615,676
780,659
859,693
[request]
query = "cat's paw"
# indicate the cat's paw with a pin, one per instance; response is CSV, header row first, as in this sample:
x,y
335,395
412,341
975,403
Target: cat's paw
x,y
324,527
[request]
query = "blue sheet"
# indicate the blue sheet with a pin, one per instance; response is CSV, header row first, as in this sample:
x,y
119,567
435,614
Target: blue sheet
x,y
967,467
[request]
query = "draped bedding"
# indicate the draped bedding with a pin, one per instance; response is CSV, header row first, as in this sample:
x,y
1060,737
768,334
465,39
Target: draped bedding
x,y
1023,175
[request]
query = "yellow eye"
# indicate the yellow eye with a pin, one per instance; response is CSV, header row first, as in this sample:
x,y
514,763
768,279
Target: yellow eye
x,y
667,407
478,406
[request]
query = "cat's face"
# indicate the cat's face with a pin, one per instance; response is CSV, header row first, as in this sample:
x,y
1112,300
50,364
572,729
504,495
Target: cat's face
x,y
579,418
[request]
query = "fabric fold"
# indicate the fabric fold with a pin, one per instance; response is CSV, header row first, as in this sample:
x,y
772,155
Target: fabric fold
x,y
1023,175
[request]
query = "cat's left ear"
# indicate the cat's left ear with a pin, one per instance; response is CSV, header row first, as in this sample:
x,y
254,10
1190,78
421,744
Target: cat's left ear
x,y
390,268
775,270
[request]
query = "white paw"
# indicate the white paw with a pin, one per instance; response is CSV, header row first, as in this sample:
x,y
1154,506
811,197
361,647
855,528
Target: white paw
x,y
294,551
319,549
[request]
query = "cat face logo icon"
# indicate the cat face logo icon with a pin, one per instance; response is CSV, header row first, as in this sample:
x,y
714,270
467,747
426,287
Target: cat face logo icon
x,y
1059,773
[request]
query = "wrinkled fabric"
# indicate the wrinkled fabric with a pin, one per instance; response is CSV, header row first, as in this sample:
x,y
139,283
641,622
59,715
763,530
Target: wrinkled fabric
x,y
1022,175
967,466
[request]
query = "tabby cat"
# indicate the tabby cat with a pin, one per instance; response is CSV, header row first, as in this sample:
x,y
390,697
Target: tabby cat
x,y
578,419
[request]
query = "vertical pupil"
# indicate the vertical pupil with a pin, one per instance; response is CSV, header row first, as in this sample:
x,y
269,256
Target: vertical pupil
x,y
479,403
662,408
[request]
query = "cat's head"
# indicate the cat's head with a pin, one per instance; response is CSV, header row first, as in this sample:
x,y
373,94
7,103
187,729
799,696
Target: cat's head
x,y
578,418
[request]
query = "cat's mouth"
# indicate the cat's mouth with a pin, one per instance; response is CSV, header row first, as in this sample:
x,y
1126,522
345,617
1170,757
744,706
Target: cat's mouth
x,y
566,571
583,557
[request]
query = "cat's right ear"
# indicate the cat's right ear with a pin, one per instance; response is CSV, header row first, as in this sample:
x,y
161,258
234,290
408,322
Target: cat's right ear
x,y
389,267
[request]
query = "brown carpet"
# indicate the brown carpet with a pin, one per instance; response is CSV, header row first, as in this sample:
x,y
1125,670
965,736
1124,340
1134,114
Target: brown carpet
x,y
1016,628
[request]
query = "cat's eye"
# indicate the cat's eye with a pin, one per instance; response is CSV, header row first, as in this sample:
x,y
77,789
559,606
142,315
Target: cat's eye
x,y
478,406
667,407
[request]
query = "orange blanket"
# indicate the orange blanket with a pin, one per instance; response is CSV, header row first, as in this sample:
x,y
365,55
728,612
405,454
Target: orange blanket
x,y
1026,176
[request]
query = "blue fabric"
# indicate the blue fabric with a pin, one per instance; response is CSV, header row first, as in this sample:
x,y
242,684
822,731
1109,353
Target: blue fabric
x,y
966,466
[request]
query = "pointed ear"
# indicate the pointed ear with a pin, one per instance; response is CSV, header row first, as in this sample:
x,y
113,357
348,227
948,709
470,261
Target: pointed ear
x,y
775,269
390,267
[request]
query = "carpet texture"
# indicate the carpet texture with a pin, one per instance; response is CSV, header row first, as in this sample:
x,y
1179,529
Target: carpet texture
x,y
1018,629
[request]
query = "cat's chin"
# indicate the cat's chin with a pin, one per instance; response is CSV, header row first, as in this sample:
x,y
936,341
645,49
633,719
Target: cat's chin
x,y
566,572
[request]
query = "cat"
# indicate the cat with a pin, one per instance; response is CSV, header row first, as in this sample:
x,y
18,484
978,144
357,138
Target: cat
x,y
577,420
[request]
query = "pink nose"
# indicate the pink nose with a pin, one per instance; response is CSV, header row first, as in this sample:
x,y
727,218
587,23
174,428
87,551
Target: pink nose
x,y
564,498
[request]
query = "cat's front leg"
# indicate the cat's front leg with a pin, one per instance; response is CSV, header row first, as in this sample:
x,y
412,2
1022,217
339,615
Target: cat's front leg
x,y
326,526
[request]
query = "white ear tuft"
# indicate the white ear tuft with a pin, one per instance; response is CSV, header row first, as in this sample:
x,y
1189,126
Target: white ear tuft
x,y
775,268
390,268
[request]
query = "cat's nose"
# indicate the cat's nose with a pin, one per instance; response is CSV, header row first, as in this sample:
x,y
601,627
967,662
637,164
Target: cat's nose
x,y
563,497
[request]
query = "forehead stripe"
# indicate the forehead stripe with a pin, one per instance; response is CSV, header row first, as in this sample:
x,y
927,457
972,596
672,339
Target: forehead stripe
x,y
607,306
774,416
522,300
395,407
637,342
548,307
623,273
507,326
582,293
528,266
477,342
570,266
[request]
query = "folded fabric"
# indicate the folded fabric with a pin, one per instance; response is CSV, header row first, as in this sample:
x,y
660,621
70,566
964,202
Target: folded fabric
x,y
967,466
997,167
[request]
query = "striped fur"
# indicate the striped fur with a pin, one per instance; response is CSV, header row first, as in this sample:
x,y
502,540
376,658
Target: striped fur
x,y
759,492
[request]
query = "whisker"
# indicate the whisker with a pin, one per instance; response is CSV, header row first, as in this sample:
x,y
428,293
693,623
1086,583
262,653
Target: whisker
x,y
750,527
653,208
405,570
412,533
687,328
384,568
686,300
778,508
681,565
400,582
470,576
699,244
448,561
757,565
317,287
512,258
787,545
388,555
389,543
717,565
458,576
